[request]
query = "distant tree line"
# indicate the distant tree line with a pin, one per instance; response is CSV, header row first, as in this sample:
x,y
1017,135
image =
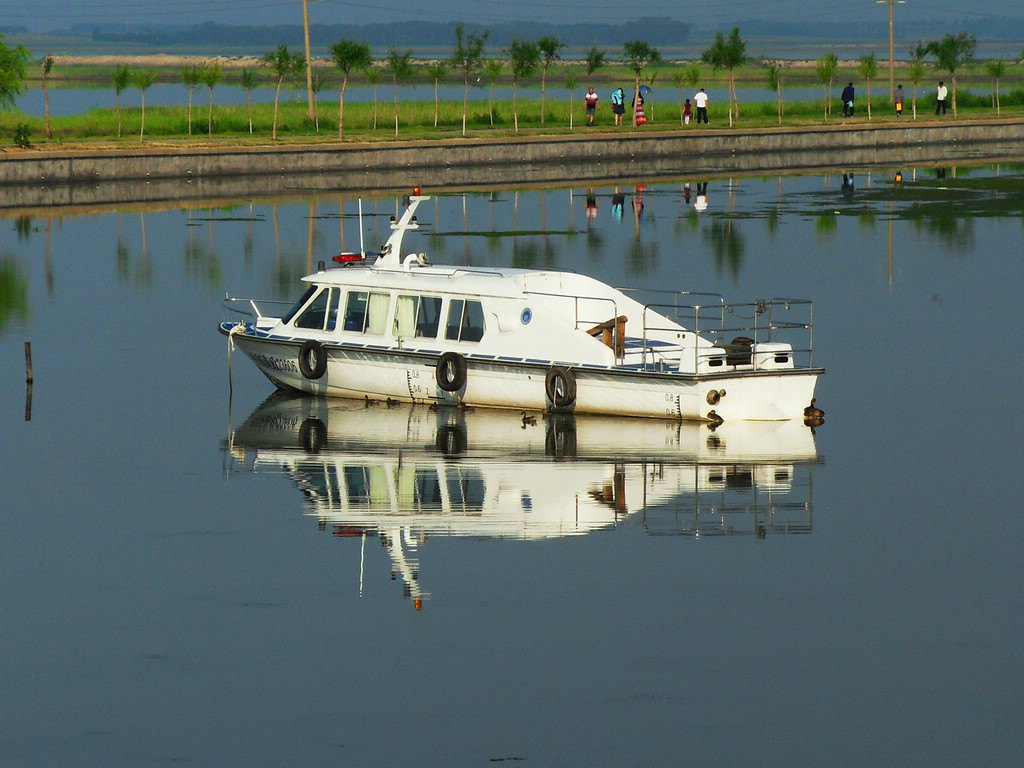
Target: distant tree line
x,y
657,31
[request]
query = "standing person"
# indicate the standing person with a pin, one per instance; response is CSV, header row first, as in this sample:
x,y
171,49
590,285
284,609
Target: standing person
x,y
686,112
940,98
618,105
847,98
700,100
700,203
638,110
618,202
591,101
898,100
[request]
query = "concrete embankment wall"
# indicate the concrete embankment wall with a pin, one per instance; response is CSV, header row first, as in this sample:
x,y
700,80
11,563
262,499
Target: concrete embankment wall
x,y
152,173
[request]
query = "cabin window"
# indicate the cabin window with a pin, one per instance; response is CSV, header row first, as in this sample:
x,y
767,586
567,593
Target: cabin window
x,y
417,316
465,321
299,304
466,488
322,312
428,488
366,312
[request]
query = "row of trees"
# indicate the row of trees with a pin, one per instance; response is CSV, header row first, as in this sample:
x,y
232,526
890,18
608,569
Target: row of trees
x,y
951,54
523,59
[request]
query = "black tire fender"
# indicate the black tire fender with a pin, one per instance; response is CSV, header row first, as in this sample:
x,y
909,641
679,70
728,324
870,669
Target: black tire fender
x,y
560,386
450,372
312,435
451,440
312,359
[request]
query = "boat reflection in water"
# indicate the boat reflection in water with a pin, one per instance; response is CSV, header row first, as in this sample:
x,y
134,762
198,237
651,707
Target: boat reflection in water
x,y
405,473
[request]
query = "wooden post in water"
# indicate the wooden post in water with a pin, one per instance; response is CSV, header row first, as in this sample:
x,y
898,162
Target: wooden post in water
x,y
28,381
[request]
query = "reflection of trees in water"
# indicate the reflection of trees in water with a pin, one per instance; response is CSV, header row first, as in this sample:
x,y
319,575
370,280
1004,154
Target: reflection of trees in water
x,y
728,247
139,273
493,245
687,220
525,254
825,224
953,231
13,292
867,218
201,260
23,226
643,256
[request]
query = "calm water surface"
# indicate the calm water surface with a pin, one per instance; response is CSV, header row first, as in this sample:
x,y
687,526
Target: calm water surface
x,y
195,574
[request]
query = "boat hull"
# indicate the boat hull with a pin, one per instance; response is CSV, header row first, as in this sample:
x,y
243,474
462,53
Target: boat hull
x,y
380,373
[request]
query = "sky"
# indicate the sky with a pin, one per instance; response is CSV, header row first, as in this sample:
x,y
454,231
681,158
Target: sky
x,y
49,15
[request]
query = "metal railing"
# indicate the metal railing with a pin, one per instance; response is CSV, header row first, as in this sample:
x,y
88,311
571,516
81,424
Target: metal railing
x,y
249,309
760,321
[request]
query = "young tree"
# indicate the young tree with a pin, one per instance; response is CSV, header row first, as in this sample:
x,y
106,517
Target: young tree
x,y
436,73
493,69
47,66
727,54
995,69
524,57
571,80
285,64
951,53
248,82
122,77
466,56
691,74
915,71
143,80
638,55
867,67
775,82
401,70
549,47
678,80
373,77
826,68
211,75
12,72
348,55
316,82
595,60
191,76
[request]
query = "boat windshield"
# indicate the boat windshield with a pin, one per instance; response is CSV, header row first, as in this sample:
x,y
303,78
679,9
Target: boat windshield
x,y
299,304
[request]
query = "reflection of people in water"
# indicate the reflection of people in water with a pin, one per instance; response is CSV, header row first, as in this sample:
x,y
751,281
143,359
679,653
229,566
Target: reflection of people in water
x,y
638,202
700,203
591,204
618,203
847,183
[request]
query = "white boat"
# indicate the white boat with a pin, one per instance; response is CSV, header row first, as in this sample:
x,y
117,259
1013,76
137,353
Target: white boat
x,y
400,328
405,474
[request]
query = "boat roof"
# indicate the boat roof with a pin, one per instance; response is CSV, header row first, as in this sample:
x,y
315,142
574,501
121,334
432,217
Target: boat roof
x,y
461,280
391,270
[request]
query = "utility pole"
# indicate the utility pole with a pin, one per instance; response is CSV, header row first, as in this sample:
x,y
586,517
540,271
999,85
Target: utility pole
x,y
309,65
892,58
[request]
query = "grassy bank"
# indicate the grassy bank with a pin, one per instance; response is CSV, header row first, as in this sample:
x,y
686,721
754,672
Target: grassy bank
x,y
417,119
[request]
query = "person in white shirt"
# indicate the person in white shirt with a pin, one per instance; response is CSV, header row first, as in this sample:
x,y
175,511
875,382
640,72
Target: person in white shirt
x,y
940,98
700,101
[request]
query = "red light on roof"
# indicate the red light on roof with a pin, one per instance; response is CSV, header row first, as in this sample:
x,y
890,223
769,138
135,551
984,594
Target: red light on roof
x,y
347,258
416,191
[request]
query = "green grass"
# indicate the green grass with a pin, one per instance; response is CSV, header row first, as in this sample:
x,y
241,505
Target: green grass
x,y
416,118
